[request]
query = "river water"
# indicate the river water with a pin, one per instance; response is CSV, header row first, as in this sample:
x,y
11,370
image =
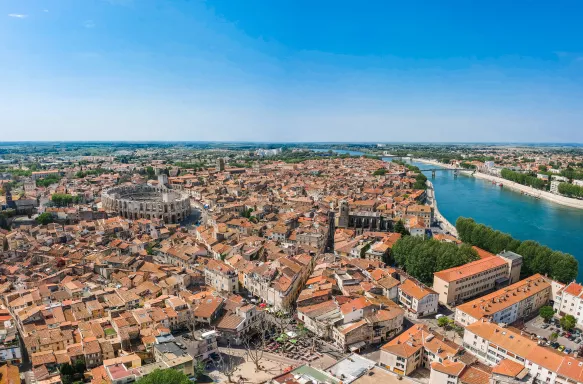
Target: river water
x,y
524,217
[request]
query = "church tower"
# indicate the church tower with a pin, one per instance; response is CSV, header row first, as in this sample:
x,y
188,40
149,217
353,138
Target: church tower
x,y
343,214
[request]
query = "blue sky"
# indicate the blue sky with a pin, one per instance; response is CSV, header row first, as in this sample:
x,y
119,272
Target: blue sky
x,y
291,70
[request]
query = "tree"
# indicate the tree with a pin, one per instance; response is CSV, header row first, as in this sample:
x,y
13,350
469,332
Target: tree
x,y
226,365
165,376
568,322
380,172
400,228
44,218
256,342
199,369
554,336
445,322
61,199
546,312
536,258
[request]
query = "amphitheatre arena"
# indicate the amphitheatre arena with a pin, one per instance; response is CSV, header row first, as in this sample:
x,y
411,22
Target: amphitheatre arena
x,y
147,202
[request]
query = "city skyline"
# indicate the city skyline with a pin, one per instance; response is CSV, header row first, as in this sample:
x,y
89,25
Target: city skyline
x,y
290,72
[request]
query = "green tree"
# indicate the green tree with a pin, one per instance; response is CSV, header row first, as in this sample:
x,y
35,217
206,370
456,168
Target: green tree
x,y
536,258
44,218
444,322
568,322
199,369
380,172
61,199
164,376
400,228
546,312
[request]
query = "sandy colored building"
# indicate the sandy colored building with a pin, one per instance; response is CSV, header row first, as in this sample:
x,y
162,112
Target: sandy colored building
x,y
508,304
458,284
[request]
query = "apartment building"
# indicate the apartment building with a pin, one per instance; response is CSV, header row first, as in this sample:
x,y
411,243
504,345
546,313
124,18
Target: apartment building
x,y
494,344
458,284
221,276
418,300
415,348
422,212
509,304
569,301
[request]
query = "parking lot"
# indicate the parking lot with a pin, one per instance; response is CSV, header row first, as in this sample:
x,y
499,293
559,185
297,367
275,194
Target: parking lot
x,y
543,332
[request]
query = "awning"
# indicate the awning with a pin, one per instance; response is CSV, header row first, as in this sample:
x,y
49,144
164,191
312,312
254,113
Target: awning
x,y
356,346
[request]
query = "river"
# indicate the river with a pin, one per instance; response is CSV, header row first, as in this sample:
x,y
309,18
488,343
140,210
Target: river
x,y
525,218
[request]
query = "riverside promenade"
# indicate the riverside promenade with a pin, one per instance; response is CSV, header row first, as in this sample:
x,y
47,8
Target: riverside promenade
x,y
432,201
537,193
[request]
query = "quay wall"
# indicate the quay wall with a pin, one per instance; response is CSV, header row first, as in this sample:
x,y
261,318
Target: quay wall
x,y
557,199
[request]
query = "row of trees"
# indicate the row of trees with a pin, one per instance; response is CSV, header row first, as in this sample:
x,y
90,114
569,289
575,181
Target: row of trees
x,y
570,190
422,257
49,180
64,199
537,258
523,178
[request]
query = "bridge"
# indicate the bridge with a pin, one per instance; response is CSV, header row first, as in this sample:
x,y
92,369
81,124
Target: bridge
x,y
456,171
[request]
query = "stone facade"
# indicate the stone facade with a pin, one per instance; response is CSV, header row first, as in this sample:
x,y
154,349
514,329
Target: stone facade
x,y
147,202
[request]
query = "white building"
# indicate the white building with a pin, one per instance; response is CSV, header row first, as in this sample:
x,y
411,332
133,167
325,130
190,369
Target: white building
x,y
418,300
555,186
492,343
569,301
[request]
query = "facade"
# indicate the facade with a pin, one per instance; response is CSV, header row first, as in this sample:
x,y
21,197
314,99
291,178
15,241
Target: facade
x,y
221,276
507,305
493,344
418,300
569,301
458,284
415,348
555,186
43,174
362,217
147,202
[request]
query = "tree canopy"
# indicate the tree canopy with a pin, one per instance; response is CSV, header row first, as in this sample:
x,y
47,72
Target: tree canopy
x,y
570,190
536,258
568,322
165,376
61,199
422,257
44,218
546,312
523,178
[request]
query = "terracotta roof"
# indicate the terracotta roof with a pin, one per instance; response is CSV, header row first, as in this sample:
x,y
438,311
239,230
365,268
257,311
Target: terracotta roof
x,y
471,269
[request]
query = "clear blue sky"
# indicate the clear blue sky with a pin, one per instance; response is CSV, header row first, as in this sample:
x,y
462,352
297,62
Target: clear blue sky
x,y
291,70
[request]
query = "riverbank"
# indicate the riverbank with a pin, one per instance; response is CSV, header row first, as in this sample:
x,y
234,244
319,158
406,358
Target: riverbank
x,y
434,162
536,193
444,223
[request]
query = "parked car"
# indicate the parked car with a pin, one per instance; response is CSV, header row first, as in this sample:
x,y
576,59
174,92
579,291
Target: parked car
x,y
561,348
555,345
578,340
568,350
545,326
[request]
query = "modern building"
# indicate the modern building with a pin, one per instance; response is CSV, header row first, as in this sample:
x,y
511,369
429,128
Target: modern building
x,y
459,284
509,304
494,344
